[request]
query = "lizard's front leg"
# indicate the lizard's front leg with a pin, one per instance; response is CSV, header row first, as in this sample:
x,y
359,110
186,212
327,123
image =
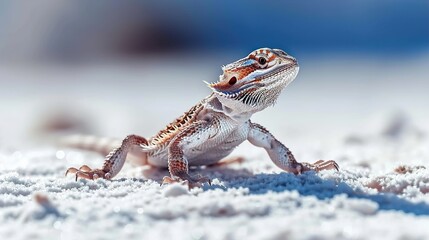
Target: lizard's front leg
x,y
199,131
281,155
112,164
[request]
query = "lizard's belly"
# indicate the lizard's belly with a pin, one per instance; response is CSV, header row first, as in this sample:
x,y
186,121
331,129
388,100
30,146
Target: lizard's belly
x,y
208,152
213,155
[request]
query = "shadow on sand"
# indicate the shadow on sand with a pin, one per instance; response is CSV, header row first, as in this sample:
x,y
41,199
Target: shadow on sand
x,y
310,184
307,184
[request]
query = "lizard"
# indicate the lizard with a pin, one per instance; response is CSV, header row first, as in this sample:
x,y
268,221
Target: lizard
x,y
215,126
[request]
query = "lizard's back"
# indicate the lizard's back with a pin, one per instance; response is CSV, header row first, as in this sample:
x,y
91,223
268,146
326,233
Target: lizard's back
x,y
222,136
210,130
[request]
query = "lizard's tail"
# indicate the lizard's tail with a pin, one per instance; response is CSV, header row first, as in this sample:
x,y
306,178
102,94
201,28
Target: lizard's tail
x,y
103,146
91,143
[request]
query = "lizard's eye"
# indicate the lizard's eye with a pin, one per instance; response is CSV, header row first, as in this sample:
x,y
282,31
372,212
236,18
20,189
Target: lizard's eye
x,y
262,60
232,81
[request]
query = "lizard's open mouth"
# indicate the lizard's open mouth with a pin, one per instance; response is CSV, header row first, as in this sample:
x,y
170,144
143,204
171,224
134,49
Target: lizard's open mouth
x,y
250,87
268,80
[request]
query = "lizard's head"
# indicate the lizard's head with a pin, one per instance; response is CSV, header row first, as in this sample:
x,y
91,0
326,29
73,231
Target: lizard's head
x,y
255,81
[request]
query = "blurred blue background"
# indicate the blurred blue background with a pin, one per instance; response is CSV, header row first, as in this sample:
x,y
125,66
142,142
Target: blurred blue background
x,y
79,30
113,67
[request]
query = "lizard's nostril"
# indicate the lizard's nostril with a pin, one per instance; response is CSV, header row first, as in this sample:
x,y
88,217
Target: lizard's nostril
x,y
232,81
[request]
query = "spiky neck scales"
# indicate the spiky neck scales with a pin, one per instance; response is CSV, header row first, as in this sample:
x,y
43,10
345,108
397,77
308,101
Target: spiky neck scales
x,y
246,86
211,129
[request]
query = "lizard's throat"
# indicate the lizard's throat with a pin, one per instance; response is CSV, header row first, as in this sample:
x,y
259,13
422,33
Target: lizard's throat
x,y
256,99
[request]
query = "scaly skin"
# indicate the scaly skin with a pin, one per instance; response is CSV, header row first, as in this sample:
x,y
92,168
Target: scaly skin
x,y
211,130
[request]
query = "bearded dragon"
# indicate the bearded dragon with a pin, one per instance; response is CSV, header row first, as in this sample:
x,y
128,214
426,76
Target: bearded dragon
x,y
211,129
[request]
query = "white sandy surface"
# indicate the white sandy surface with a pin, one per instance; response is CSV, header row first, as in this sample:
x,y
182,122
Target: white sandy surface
x,y
376,129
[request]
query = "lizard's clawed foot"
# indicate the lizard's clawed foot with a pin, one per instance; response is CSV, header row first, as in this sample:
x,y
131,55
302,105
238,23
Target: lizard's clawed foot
x,y
87,173
192,182
317,166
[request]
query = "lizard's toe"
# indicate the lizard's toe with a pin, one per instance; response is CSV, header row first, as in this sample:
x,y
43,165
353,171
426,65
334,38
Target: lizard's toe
x,y
71,170
85,168
321,165
202,179
196,181
169,180
87,173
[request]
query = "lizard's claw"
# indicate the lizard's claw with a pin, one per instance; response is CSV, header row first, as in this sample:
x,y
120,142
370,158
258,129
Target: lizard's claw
x,y
87,173
199,180
192,182
317,166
